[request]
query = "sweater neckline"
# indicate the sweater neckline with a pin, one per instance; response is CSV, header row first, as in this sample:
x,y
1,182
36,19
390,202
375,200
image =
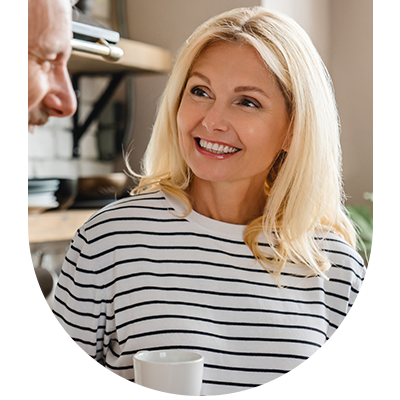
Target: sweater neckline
x,y
222,229
211,225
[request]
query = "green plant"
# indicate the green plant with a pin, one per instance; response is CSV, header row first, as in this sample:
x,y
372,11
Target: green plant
x,y
361,215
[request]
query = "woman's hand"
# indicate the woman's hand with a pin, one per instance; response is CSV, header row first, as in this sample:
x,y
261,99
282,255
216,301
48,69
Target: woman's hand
x,y
351,383
129,391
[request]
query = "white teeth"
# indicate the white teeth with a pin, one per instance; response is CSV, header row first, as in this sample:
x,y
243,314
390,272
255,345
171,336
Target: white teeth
x,y
217,148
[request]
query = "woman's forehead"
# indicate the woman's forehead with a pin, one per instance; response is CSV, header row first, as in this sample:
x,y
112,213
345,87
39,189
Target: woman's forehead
x,y
239,60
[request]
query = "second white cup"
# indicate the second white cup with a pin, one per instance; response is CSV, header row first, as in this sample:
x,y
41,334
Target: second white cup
x,y
170,371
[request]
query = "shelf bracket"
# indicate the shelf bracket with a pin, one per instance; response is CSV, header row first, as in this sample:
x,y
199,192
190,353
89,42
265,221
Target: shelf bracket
x,y
79,129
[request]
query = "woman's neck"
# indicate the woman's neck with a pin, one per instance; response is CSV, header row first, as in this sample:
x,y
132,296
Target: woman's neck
x,y
235,203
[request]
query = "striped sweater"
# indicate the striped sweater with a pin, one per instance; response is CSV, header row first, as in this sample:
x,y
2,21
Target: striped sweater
x,y
139,277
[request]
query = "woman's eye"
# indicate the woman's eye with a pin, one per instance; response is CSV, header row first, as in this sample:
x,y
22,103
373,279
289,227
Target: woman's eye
x,y
249,103
198,92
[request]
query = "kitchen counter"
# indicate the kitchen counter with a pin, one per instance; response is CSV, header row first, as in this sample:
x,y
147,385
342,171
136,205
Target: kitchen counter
x,y
54,226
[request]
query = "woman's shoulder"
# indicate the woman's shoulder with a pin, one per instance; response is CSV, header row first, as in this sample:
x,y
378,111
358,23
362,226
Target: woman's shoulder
x,y
133,202
113,227
151,204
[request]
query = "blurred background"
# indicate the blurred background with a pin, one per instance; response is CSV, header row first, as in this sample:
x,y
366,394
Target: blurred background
x,y
117,104
340,29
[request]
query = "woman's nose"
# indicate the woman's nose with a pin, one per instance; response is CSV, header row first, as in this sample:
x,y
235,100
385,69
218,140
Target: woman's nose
x,y
216,118
60,101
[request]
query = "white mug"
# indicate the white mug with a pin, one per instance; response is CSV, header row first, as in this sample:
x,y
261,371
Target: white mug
x,y
170,371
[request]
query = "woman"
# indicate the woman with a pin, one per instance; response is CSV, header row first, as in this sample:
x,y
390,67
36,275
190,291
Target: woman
x,y
235,243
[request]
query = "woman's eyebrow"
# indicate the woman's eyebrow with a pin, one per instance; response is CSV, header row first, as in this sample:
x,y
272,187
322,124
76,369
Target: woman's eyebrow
x,y
201,76
250,89
238,89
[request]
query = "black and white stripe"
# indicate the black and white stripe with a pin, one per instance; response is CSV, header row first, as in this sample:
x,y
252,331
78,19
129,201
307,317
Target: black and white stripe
x,y
138,277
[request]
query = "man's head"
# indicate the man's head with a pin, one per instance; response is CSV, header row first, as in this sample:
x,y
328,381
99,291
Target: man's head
x,y
50,91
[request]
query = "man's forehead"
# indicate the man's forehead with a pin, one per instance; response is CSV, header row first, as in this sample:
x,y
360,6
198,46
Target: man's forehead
x,y
49,14
49,26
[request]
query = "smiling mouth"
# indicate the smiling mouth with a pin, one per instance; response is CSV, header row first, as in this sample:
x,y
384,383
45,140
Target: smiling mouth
x,y
216,148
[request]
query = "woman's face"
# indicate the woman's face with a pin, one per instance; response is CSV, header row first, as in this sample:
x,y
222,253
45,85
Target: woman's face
x,y
232,120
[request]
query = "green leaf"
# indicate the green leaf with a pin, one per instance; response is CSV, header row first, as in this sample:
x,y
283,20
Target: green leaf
x,y
362,218
368,196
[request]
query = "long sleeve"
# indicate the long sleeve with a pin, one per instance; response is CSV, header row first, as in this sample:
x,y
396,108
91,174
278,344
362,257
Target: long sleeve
x,y
72,362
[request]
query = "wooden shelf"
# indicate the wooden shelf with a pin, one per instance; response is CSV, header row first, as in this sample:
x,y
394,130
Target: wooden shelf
x,y
55,226
138,57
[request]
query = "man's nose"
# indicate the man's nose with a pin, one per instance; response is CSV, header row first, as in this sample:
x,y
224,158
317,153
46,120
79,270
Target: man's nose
x,y
61,99
216,118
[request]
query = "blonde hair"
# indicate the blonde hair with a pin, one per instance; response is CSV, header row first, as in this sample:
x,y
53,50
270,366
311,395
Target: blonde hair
x,y
305,192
